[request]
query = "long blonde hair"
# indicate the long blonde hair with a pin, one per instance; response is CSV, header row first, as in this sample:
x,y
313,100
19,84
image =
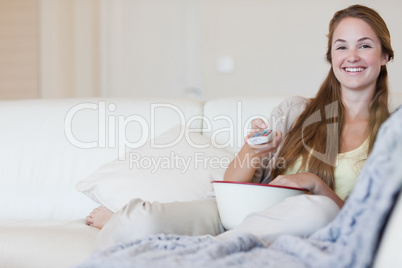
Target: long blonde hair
x,y
321,135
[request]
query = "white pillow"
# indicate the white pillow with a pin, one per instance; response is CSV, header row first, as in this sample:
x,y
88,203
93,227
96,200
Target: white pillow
x,y
176,166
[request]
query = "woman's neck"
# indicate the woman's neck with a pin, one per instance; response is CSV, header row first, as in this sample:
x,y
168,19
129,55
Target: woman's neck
x,y
356,120
357,104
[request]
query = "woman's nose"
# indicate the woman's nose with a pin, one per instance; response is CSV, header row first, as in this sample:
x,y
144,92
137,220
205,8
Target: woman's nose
x,y
353,56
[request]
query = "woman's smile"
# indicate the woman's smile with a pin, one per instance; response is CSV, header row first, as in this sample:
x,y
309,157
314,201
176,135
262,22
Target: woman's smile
x,y
354,69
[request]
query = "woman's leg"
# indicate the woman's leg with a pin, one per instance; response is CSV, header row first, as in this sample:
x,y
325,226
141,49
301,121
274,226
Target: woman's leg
x,y
299,215
140,219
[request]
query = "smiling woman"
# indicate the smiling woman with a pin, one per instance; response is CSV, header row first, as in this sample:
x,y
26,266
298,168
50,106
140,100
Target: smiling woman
x,y
357,57
329,136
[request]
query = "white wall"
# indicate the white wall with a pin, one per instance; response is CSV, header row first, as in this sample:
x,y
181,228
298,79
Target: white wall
x,y
144,47
69,48
19,57
278,46
151,48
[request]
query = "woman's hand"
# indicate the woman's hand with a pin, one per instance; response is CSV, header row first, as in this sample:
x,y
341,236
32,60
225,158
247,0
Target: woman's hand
x,y
308,181
261,150
244,165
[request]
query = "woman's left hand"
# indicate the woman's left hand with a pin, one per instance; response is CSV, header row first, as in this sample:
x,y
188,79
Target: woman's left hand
x,y
310,182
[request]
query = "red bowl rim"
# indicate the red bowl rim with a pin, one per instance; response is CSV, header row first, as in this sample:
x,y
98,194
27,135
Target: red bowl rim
x,y
262,184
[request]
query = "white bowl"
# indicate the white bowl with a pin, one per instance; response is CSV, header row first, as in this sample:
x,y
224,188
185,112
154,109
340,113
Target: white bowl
x,y
236,200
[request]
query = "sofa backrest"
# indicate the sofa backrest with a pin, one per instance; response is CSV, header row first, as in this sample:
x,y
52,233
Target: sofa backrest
x,y
395,100
47,146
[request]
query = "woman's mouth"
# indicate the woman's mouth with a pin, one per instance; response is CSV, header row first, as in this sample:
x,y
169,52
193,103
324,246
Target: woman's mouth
x,y
353,69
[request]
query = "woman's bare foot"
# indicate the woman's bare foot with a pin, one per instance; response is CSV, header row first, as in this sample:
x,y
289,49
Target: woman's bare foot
x,y
99,217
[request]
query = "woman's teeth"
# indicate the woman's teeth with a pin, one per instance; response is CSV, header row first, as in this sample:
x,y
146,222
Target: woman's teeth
x,y
354,70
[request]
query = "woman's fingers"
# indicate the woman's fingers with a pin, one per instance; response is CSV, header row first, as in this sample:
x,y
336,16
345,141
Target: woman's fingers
x,y
258,123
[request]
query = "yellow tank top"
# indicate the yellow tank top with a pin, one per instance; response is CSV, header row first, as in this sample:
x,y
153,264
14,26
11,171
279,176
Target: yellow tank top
x,y
347,169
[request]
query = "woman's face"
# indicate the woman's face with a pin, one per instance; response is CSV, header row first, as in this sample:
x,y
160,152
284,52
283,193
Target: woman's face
x,y
356,55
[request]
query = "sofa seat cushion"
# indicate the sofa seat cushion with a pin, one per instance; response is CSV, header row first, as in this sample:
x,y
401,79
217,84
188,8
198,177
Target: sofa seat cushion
x,y
44,244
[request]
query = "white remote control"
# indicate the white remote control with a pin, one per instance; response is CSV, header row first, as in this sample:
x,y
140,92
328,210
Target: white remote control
x,y
263,136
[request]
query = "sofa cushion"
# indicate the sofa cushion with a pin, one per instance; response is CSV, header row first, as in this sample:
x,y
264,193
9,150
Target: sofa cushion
x,y
388,254
42,244
176,166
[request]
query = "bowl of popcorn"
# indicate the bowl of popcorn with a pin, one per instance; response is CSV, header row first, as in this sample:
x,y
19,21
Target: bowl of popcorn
x,y
236,200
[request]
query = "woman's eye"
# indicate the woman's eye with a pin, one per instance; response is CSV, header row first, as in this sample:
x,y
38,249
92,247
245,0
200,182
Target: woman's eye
x,y
365,46
341,48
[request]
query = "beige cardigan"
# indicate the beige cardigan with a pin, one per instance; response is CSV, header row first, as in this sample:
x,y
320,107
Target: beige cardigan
x,y
282,118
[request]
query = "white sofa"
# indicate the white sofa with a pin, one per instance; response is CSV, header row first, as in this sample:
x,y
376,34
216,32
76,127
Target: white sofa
x,y
58,156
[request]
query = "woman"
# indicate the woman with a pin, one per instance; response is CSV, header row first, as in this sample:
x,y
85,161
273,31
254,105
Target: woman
x,y
320,145
327,138
355,98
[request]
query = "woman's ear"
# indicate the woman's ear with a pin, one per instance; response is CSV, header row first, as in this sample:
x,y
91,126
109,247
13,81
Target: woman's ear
x,y
385,59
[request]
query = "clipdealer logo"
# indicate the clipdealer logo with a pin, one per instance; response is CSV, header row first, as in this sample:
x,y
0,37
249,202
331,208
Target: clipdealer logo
x,y
112,127
331,111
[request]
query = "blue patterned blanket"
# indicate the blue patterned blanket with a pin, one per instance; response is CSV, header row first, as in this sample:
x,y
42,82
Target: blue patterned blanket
x,y
350,240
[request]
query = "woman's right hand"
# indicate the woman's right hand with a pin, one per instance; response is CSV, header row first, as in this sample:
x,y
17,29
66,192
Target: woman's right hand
x,y
244,165
262,150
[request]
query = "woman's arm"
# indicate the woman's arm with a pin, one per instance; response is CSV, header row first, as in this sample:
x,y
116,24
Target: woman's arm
x,y
308,181
244,165
243,168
